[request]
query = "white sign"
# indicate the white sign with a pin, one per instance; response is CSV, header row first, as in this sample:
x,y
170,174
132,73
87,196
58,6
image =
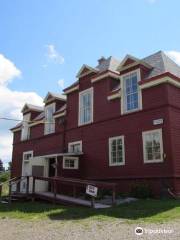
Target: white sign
x,y
91,190
158,121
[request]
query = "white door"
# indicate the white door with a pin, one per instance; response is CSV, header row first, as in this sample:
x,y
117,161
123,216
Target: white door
x,y
40,168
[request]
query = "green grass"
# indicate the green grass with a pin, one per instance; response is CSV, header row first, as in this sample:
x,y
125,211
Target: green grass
x,y
156,211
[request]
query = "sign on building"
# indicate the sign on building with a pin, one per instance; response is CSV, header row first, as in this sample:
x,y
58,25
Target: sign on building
x,y
158,121
91,190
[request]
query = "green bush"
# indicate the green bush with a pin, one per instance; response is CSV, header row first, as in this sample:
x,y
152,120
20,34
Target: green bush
x,y
141,191
4,176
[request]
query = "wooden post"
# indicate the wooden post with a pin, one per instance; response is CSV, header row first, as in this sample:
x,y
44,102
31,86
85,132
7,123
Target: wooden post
x,y
0,192
33,188
55,190
10,193
92,202
74,191
114,196
27,185
18,187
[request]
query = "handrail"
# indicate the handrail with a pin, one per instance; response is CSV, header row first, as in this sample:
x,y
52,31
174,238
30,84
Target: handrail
x,y
17,181
8,181
78,181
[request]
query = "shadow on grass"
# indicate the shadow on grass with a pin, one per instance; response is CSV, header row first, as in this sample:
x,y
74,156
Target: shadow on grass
x,y
141,209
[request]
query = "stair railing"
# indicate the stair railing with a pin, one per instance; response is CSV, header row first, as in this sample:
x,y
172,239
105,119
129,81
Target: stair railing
x,y
11,182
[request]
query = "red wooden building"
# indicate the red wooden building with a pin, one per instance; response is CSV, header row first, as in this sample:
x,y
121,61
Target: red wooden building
x,y
119,122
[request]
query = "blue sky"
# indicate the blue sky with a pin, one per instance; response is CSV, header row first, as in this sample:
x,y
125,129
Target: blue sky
x,y
48,41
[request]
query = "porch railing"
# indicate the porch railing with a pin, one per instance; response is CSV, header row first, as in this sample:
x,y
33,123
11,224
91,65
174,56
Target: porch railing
x,y
14,182
74,183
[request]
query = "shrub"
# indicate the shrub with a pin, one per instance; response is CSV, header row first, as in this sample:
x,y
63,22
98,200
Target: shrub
x,y
141,191
4,176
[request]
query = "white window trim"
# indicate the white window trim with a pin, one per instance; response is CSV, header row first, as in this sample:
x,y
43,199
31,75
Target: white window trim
x,y
28,152
73,143
123,94
123,148
92,106
161,146
54,108
28,115
72,158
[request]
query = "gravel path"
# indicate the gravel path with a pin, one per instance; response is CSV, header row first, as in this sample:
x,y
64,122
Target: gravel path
x,y
58,230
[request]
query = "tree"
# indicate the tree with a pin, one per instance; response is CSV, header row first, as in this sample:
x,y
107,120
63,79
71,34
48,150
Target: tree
x,y
1,166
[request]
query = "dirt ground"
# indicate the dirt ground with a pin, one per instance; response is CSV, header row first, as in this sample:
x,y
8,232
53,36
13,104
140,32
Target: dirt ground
x,y
11,229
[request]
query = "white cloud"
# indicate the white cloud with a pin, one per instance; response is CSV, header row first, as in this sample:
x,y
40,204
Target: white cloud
x,y
174,55
53,55
8,70
61,83
11,103
151,1
6,147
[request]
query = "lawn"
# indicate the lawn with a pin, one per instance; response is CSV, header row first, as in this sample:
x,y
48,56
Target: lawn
x,y
154,211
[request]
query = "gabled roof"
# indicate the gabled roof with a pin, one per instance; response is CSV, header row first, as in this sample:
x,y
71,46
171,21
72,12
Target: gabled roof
x,y
39,117
31,107
17,126
128,57
55,96
85,68
161,63
133,61
110,63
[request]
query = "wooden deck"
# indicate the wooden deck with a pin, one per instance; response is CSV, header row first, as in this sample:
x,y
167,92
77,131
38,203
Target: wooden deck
x,y
60,198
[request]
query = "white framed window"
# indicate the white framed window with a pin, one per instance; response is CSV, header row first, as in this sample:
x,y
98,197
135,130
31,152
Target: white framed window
x,y
152,146
27,155
49,126
75,147
70,162
131,93
116,151
25,132
86,106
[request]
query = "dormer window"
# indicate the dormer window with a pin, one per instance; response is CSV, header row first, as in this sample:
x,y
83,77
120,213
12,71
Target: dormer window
x,y
25,133
86,106
49,126
131,93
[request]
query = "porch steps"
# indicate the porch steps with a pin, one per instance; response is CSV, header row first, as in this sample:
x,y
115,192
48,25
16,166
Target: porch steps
x,y
66,199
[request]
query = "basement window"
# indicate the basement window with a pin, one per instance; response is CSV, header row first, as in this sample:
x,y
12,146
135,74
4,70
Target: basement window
x,y
70,163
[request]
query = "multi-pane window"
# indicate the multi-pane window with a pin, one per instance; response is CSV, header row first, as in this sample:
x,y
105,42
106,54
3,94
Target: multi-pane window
x,y
27,155
75,147
86,106
116,151
49,119
25,133
131,92
70,163
153,146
